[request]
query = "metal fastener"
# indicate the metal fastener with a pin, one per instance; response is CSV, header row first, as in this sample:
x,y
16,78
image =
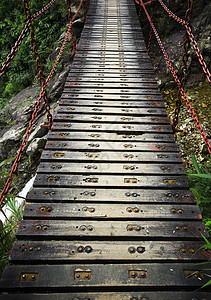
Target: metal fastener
x,y
131,250
80,249
140,249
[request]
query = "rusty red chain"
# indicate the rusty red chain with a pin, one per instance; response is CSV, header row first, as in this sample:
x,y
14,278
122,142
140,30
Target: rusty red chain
x,y
191,37
29,129
14,49
185,56
151,31
71,19
191,110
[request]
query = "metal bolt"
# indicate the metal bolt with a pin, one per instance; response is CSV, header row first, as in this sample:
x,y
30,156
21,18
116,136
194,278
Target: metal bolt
x,y
133,274
131,250
49,209
134,194
39,248
140,249
192,251
142,274
130,228
42,209
169,195
88,249
80,249
129,209
78,275
24,277
173,211
33,277
177,228
127,194
44,228
92,210
138,228
90,228
180,211
87,275
31,249
84,208
37,227
185,228
136,210
176,195
93,194
83,228
183,250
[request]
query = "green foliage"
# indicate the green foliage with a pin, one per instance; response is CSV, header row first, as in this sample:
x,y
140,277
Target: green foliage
x,y
200,184
48,28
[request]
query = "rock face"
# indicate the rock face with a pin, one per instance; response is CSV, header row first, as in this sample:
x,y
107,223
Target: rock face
x,y
173,34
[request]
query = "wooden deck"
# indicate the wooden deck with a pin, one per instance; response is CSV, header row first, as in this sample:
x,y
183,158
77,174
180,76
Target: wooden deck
x,y
110,215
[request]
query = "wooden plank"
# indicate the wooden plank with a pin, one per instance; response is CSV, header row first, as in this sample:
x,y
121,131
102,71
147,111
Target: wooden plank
x,y
104,136
113,110
113,146
68,229
108,168
135,104
76,251
92,84
110,97
122,91
137,196
143,295
74,117
144,275
111,211
120,128
111,156
126,181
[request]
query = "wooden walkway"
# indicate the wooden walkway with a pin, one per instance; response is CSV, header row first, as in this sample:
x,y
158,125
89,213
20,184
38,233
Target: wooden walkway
x,y
110,215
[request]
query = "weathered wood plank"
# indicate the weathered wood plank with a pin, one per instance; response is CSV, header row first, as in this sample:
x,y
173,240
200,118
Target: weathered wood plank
x,y
68,229
126,181
111,168
114,211
113,295
120,128
112,146
112,156
130,195
66,251
104,136
144,275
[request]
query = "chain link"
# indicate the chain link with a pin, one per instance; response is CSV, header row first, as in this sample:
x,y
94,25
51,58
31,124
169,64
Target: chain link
x,y
191,37
191,110
151,30
14,49
29,129
185,56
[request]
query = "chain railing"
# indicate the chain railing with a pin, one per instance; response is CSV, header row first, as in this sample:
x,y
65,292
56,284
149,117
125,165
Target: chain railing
x,y
181,90
42,95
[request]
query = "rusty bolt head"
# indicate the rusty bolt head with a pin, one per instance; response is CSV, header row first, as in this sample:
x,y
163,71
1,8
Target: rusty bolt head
x,y
142,274
49,209
135,195
129,209
191,251
37,227
140,249
92,210
78,276
177,228
136,210
130,228
93,194
169,195
127,194
80,249
180,211
183,250
133,274
42,209
138,228
44,228
33,277
39,248
24,277
185,228
173,211
163,168
131,250
84,208
87,275
176,195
